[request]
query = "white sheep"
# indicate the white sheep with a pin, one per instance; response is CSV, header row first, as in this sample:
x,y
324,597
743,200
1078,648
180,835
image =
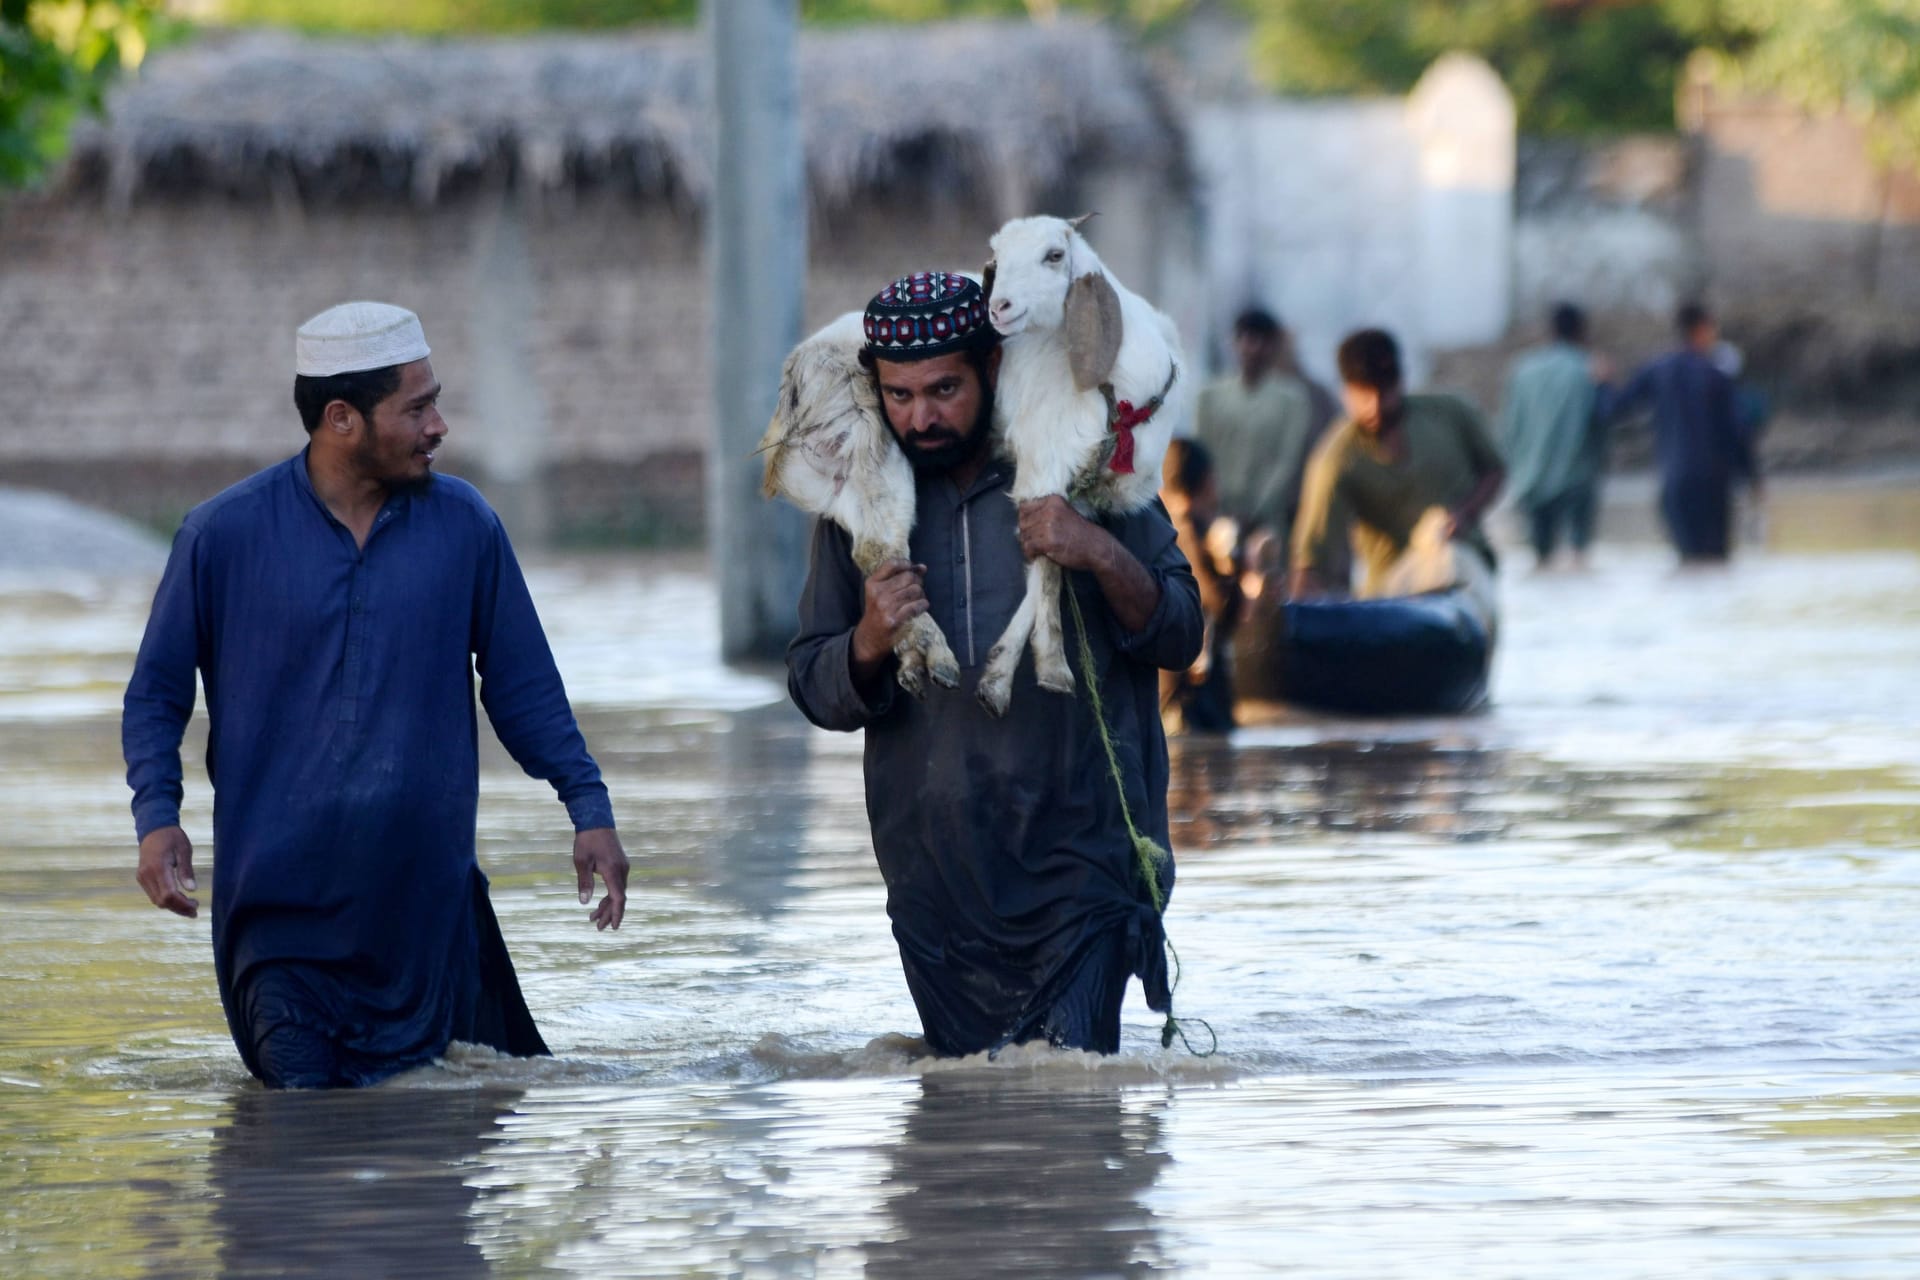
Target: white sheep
x,y
831,453
1091,386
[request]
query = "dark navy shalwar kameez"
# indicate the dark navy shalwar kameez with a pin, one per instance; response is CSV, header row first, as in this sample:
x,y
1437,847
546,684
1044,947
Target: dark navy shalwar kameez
x,y
351,930
1012,883
1699,444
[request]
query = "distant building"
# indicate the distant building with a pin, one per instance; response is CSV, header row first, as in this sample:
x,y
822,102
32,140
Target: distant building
x,y
1795,206
1346,213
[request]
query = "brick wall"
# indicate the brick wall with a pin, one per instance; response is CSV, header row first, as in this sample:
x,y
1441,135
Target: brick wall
x,y
145,356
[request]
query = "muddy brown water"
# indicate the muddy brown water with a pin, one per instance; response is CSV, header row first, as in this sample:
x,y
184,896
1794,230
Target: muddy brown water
x,y
1616,979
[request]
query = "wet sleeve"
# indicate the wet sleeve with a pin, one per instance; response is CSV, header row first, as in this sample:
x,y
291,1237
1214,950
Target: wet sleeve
x,y
820,659
1172,638
1322,531
520,687
160,696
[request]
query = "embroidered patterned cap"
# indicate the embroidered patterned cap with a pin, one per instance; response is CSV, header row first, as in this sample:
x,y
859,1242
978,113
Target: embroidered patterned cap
x,y
927,314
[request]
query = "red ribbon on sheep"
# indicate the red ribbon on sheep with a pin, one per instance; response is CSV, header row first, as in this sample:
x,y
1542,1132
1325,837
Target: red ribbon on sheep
x,y
1122,418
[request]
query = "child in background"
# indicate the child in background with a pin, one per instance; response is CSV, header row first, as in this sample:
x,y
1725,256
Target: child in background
x,y
1200,699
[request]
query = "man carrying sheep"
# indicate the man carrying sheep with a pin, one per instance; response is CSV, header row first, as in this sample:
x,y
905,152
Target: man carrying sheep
x,y
1011,879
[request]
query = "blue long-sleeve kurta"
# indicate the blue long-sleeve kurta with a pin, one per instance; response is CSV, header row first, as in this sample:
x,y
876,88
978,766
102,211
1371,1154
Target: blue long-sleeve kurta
x,y
1696,429
1007,862
343,749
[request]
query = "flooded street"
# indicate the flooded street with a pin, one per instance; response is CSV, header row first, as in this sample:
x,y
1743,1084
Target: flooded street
x,y
1617,979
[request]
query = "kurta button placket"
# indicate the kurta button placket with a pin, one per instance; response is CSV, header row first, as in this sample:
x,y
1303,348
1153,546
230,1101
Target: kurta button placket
x,y
356,630
965,543
356,623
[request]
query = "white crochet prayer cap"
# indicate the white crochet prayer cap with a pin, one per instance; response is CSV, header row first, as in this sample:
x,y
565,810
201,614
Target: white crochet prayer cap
x,y
356,336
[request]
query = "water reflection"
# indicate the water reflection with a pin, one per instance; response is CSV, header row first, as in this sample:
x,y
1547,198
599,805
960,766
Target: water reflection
x,y
1222,789
997,1177
761,758
1629,956
369,1184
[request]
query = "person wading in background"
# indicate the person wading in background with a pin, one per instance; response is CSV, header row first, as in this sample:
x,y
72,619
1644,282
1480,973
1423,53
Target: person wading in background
x,y
1698,439
1552,432
1257,424
1012,881
1200,699
336,607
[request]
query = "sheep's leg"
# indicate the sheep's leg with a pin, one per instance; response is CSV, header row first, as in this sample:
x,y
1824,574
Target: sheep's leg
x,y
919,645
1049,650
912,671
995,690
924,636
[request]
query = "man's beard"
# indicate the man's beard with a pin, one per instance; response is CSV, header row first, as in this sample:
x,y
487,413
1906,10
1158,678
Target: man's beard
x,y
953,450
370,459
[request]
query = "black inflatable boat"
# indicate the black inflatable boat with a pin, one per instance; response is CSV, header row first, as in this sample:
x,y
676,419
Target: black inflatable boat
x,y
1420,655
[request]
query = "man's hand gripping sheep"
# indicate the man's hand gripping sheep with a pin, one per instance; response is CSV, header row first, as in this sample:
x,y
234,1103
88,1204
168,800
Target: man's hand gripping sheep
x,y
1090,390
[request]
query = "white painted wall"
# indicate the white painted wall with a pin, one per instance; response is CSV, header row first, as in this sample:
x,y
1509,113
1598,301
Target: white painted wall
x,y
1348,213
1462,120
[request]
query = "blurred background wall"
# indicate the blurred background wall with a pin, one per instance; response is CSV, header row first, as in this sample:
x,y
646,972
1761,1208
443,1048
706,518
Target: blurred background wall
x,y
538,197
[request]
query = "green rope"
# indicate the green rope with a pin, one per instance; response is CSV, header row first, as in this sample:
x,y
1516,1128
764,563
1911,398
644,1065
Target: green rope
x,y
1147,852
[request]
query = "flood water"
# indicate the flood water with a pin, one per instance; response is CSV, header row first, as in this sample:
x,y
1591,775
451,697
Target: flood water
x,y
1616,979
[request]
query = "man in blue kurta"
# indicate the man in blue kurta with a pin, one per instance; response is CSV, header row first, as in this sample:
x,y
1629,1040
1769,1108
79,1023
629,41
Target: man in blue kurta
x,y
1698,439
336,608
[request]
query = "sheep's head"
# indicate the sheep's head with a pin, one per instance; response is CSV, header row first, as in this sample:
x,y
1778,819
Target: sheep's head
x,y
1047,277
1034,260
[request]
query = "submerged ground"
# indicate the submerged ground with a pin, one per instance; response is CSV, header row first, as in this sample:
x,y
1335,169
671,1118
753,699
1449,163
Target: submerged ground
x,y
1617,979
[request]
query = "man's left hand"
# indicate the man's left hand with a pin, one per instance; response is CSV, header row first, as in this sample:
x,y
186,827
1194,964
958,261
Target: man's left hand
x,y
1050,527
598,852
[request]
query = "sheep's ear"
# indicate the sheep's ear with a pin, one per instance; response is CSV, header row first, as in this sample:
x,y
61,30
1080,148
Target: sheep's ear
x,y
986,279
1093,329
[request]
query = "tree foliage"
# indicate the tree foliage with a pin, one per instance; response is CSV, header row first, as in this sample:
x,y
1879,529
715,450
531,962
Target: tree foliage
x,y
1573,67
448,17
1583,66
56,59
1857,56
445,17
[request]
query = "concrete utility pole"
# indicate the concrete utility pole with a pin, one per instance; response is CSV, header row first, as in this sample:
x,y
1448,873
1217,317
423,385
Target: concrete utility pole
x,y
757,249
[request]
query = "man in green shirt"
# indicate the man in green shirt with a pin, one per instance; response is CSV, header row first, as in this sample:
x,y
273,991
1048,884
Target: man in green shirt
x,y
1551,432
1257,424
1394,456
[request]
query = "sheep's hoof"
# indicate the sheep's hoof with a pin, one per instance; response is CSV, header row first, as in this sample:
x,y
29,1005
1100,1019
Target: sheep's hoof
x,y
912,678
1055,679
994,693
945,670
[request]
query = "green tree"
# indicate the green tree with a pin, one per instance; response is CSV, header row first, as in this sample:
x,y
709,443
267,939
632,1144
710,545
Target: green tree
x,y
446,17
1857,56
1574,66
449,17
56,59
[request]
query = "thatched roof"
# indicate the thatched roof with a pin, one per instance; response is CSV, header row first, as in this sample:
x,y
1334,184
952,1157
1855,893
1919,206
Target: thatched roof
x,y
1016,106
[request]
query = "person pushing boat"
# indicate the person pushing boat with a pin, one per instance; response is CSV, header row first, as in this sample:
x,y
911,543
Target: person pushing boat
x,y
1376,474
